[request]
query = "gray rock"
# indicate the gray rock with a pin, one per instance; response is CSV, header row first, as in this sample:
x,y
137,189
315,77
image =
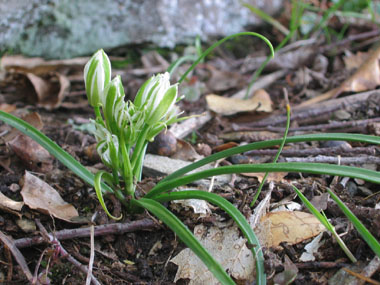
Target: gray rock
x,y
68,28
156,165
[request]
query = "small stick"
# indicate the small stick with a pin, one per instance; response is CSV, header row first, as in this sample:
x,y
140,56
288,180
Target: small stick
x,y
321,127
317,110
335,160
116,228
62,251
10,244
372,150
320,265
92,250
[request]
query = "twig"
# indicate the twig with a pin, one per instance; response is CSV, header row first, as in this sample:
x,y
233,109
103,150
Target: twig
x,y
318,151
117,228
349,39
92,251
335,160
320,265
363,124
10,243
62,251
317,110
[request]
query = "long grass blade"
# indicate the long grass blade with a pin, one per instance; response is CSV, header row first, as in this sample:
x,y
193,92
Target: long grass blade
x,y
367,236
324,221
54,149
314,168
186,236
267,18
233,213
211,48
257,194
270,143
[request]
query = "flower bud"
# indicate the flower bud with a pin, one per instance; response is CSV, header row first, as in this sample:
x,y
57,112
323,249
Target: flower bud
x,y
114,102
156,97
97,74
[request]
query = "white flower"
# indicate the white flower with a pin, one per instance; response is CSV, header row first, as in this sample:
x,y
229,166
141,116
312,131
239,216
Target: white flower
x,y
97,74
107,147
156,97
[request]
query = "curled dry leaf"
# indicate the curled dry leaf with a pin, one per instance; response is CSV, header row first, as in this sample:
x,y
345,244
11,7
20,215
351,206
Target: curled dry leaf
x,y
260,101
221,80
285,226
185,151
239,261
39,65
367,77
39,195
49,89
31,153
9,205
7,107
272,176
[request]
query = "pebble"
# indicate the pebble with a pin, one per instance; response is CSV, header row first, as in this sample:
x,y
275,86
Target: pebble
x,y
364,191
352,188
27,226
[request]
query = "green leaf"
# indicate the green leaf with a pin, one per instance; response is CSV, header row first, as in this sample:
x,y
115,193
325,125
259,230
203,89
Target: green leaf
x,y
233,213
99,194
324,221
270,143
54,150
186,236
314,168
211,48
163,107
367,236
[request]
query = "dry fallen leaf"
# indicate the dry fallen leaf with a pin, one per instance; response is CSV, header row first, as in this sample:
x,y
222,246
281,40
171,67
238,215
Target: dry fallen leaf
x,y
354,61
32,153
185,151
260,101
367,77
9,205
49,89
39,65
221,80
285,226
39,195
239,261
272,176
33,119
7,107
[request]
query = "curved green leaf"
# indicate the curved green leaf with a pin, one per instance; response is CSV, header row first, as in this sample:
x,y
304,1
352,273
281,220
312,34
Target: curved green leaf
x,y
233,213
55,150
211,48
186,236
99,194
270,143
314,168
367,236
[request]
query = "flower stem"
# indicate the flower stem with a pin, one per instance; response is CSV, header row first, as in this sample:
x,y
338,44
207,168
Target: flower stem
x,y
127,168
139,148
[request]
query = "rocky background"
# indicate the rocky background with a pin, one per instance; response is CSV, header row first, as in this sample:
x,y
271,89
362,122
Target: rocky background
x,y
67,28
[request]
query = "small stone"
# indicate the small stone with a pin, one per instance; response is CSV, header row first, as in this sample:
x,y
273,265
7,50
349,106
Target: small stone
x,y
342,144
14,187
240,159
364,191
342,115
27,226
352,188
